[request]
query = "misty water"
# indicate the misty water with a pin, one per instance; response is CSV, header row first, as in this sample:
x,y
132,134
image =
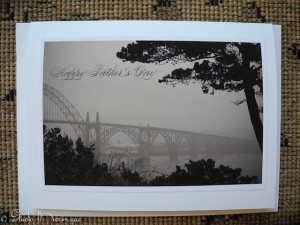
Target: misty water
x,y
245,155
235,153
250,163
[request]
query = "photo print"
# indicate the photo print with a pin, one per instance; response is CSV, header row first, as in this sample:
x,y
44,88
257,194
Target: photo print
x,y
152,113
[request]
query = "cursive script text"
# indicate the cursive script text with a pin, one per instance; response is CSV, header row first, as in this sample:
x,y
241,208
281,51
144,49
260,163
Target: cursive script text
x,y
106,71
100,70
141,73
67,73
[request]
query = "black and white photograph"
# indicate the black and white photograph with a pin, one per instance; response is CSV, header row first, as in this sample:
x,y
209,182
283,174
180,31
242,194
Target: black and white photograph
x,y
152,113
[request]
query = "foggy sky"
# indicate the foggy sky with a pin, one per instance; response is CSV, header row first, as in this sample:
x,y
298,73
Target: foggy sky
x,y
133,101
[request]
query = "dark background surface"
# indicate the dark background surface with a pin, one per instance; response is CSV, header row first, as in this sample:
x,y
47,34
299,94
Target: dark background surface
x,y
283,12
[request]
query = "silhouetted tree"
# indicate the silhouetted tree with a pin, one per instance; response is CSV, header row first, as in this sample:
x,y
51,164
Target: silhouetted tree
x,y
129,177
58,158
69,165
217,66
203,172
66,164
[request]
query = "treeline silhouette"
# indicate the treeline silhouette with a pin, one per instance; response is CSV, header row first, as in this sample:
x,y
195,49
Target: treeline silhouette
x,y
217,66
66,164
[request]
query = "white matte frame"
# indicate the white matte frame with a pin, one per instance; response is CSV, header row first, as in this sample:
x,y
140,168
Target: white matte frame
x,y
34,196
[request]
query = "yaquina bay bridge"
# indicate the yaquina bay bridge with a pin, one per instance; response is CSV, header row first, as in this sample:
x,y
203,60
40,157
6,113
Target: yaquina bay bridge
x,y
100,133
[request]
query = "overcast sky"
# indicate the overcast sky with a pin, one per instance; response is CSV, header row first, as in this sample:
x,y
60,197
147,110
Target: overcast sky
x,y
132,100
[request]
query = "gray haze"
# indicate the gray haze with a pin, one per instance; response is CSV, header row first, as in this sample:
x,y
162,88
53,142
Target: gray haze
x,y
134,101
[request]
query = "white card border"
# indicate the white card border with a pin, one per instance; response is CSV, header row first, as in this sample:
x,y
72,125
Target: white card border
x,y
34,197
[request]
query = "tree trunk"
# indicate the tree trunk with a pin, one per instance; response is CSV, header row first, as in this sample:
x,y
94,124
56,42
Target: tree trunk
x,y
253,109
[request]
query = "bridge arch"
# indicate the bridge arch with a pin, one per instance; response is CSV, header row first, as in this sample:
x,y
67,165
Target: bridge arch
x,y
127,131
189,140
66,107
168,139
141,136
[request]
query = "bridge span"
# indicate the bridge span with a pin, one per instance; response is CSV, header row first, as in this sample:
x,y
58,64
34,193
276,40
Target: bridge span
x,y
143,137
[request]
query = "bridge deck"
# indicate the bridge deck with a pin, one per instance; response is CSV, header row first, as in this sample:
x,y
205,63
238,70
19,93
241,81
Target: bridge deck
x,y
121,125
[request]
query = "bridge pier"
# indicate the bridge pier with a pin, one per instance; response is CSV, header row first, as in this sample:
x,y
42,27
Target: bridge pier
x,y
143,136
90,127
87,130
173,152
98,133
144,143
144,152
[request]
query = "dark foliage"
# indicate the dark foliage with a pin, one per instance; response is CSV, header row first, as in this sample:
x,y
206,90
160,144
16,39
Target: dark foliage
x,y
63,163
203,172
68,165
169,51
220,66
